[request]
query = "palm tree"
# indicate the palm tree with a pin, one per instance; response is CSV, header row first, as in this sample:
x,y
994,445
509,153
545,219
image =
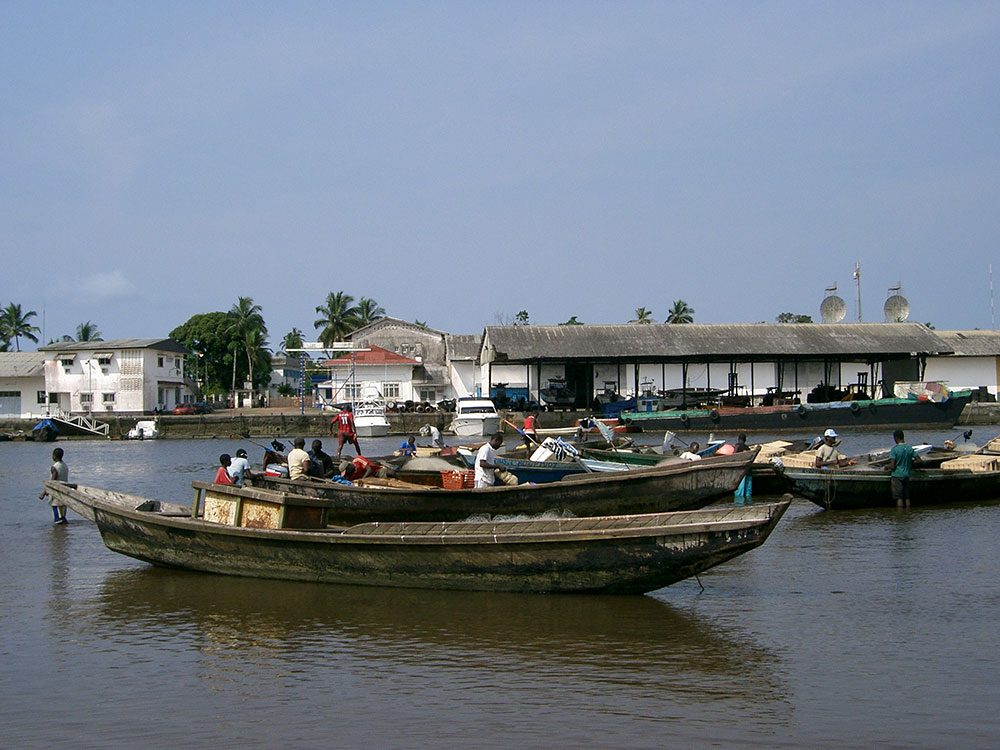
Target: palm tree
x,y
88,332
572,322
339,317
14,324
248,330
681,312
642,315
369,311
421,323
292,340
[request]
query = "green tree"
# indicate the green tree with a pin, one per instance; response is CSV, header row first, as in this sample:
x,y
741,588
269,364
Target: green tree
x,y
14,324
642,315
208,334
681,312
521,319
246,325
572,322
368,311
88,332
787,317
292,340
339,316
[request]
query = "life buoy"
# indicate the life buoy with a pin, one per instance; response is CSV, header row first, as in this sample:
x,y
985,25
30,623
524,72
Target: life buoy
x,y
871,407
800,410
855,407
714,415
685,420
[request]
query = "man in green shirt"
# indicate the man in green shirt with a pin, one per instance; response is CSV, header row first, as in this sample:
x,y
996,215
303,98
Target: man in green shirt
x,y
901,459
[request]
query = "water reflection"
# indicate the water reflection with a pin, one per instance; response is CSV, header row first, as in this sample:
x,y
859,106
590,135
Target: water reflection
x,y
618,638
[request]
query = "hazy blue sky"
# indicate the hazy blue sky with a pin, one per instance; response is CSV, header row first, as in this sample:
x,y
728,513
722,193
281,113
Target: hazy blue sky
x,y
459,162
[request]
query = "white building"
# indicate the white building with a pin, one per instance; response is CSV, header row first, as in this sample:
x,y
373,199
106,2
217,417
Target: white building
x,y
22,384
375,372
131,376
974,364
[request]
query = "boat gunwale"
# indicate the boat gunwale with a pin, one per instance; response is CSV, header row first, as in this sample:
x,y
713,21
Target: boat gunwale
x,y
411,533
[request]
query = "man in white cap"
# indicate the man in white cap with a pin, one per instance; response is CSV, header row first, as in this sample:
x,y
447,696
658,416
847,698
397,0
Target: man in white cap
x,y
828,455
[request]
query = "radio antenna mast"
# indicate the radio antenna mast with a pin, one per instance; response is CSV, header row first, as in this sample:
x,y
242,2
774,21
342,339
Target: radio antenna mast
x,y
857,279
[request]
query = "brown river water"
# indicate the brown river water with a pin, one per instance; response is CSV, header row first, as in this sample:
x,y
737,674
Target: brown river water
x,y
846,629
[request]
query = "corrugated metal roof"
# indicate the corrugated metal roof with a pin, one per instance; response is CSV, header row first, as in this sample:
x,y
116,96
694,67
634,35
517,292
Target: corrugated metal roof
x,y
21,364
972,343
718,342
166,345
464,346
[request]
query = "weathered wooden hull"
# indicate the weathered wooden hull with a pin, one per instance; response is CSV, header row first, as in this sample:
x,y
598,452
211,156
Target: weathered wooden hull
x,y
841,489
890,412
685,486
626,555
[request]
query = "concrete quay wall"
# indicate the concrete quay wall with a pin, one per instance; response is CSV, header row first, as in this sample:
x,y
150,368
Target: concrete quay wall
x,y
287,423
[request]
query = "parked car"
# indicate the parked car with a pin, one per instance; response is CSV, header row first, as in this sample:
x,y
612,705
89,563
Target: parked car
x,y
185,409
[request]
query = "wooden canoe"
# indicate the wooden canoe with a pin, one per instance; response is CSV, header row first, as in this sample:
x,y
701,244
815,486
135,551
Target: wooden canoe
x,y
867,487
684,485
630,554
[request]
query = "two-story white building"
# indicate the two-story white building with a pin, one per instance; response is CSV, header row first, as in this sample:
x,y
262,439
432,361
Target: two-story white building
x,y
375,372
131,376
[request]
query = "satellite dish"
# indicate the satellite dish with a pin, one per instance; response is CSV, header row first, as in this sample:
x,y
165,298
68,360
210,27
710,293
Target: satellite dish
x,y
896,308
833,309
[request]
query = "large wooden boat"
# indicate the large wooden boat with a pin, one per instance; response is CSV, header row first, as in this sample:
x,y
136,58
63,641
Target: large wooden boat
x,y
882,412
683,486
960,480
260,535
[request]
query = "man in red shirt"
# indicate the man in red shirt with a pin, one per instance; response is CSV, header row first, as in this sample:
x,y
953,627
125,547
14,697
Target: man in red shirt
x,y
360,468
346,432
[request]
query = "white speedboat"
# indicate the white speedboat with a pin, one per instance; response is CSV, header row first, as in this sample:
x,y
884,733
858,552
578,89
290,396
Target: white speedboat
x,y
370,419
145,429
475,417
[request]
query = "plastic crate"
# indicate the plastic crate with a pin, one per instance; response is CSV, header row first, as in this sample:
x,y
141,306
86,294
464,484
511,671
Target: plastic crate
x,y
457,480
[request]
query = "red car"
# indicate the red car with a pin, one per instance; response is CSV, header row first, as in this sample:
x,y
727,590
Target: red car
x,y
185,409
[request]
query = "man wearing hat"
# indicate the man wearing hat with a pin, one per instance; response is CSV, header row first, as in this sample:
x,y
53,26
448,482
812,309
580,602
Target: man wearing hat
x,y
828,455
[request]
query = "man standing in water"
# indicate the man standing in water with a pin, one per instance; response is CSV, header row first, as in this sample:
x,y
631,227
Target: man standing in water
x,y
901,459
59,472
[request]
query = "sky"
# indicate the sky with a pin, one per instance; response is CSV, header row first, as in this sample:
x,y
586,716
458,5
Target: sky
x,y
459,162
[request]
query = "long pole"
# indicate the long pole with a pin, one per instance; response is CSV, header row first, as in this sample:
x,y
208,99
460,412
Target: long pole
x,y
857,279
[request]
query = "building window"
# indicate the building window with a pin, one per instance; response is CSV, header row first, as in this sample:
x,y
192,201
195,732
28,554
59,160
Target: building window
x,y
177,362
390,390
104,361
418,349
41,397
428,394
108,398
86,398
352,391
67,362
159,361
